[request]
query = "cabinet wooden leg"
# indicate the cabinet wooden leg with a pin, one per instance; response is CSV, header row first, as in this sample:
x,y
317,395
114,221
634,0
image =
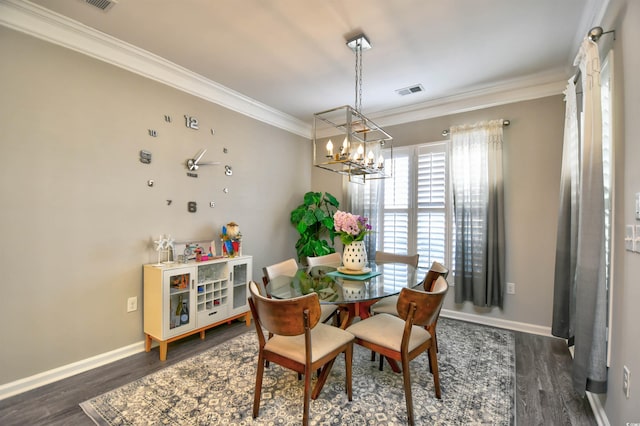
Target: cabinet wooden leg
x,y
147,343
163,351
202,334
247,319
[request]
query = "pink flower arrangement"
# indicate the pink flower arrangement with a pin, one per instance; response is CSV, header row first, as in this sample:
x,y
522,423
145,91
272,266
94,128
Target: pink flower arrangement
x,y
350,227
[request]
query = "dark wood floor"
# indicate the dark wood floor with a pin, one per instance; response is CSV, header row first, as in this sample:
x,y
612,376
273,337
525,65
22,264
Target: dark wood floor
x,y
544,394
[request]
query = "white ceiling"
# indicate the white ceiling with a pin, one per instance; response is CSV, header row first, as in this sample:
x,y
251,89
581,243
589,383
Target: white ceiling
x,y
291,54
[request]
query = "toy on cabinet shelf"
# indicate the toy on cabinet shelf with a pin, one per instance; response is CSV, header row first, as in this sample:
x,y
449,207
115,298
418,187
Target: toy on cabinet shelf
x,y
231,240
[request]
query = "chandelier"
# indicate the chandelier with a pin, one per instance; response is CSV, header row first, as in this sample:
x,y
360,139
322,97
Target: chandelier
x,y
347,142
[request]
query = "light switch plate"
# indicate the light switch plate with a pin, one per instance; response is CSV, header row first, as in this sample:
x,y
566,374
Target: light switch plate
x,y
629,237
636,240
637,205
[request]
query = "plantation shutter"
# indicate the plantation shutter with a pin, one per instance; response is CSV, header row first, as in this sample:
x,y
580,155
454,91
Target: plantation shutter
x,y
395,237
414,214
431,193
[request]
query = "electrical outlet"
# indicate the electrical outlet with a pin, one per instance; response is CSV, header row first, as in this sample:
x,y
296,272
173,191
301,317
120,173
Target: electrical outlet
x,y
626,377
511,288
132,304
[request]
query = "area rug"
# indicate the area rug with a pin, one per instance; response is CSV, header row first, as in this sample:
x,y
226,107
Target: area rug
x,y
477,376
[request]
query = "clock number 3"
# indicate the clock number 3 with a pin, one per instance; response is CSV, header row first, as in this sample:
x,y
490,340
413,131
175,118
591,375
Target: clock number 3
x,y
191,122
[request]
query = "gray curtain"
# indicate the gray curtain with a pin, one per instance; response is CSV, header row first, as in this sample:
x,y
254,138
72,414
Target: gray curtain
x,y
580,298
567,239
476,176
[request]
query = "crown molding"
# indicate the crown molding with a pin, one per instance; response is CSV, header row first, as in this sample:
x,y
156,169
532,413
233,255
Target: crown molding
x,y
34,20
44,24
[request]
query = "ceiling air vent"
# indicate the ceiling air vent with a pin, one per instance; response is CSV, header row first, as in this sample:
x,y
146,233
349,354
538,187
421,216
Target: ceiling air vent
x,y
102,4
417,88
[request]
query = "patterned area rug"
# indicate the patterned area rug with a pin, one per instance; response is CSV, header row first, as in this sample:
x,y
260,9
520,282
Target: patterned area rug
x,y
477,376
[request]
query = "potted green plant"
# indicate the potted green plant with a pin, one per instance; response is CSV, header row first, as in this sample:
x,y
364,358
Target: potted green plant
x,y
313,220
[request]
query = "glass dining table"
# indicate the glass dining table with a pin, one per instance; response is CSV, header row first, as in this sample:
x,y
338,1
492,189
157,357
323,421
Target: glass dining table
x,y
353,291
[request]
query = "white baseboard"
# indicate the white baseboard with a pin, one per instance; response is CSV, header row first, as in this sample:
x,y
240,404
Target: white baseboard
x,y
28,383
497,322
598,410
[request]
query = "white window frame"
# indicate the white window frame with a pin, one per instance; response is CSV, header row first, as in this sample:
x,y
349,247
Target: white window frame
x,y
412,209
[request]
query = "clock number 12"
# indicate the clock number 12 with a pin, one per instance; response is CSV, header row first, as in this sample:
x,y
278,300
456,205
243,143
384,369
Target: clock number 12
x,y
191,122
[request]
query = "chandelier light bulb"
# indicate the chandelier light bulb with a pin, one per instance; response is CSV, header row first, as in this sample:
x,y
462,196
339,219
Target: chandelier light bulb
x,y
370,157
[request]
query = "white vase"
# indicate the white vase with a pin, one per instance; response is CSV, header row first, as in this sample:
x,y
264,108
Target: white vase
x,y
355,256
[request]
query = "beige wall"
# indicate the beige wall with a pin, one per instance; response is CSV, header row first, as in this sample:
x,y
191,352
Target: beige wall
x,y
532,159
77,216
624,17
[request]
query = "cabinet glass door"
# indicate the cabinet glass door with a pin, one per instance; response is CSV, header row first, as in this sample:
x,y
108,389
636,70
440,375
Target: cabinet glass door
x,y
240,280
179,305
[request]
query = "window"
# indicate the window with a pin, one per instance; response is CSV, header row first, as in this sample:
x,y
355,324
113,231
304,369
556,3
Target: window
x,y
414,214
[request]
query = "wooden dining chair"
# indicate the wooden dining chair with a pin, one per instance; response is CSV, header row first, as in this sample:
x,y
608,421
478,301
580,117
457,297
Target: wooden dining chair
x,y
289,268
388,305
405,336
300,342
332,259
386,257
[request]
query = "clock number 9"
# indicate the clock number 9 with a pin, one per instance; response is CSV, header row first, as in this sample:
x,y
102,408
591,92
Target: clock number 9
x,y
191,122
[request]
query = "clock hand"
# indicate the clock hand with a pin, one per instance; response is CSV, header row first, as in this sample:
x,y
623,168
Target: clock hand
x,y
195,161
192,163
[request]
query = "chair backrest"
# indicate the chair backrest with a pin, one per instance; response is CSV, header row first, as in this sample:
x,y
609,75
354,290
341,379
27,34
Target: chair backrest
x,y
409,259
286,268
284,317
437,270
333,259
428,304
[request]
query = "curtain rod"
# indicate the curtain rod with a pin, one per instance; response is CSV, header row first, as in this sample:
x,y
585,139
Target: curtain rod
x,y
594,35
445,132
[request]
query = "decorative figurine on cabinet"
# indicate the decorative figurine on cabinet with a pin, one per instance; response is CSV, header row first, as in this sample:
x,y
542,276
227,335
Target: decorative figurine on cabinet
x,y
231,240
165,248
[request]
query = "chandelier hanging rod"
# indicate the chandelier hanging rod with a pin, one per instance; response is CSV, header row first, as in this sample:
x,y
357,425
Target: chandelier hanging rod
x,y
358,44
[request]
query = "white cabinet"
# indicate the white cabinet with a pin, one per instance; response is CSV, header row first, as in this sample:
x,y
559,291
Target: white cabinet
x,y
183,299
